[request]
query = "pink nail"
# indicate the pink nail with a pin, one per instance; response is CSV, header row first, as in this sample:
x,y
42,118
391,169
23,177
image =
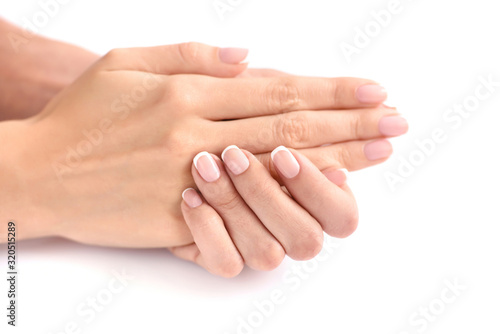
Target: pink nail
x,y
393,126
379,149
191,197
338,177
285,162
371,94
232,55
235,160
207,167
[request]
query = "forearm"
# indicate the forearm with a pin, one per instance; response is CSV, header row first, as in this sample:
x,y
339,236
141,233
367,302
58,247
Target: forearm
x,y
33,69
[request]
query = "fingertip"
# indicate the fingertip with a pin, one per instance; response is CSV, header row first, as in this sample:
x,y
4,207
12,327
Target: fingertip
x,y
371,93
191,198
336,176
227,149
233,56
285,162
378,150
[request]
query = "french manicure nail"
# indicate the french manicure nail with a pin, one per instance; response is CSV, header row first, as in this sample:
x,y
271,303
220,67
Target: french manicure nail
x,y
388,104
371,94
232,56
379,149
393,126
345,171
206,166
285,162
235,160
191,197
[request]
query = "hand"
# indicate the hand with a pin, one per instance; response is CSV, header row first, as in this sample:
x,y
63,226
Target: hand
x,y
107,159
34,70
245,217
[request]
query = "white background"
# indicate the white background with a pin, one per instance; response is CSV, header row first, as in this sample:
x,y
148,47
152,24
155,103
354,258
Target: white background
x,y
441,224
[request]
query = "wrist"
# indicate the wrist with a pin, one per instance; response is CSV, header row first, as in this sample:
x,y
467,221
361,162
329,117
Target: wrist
x,y
21,197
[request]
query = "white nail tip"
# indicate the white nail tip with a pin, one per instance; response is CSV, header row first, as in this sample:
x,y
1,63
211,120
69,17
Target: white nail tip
x,y
278,149
227,149
184,192
345,171
210,158
199,155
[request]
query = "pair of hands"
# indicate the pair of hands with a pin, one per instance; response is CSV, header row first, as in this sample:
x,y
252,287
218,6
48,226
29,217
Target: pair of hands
x,y
107,159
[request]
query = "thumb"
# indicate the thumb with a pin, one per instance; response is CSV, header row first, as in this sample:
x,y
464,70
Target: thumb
x,y
186,58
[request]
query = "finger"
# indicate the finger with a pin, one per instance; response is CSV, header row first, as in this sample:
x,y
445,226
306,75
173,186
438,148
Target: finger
x,y
186,58
303,129
336,176
258,248
334,208
353,155
251,97
298,232
262,73
217,253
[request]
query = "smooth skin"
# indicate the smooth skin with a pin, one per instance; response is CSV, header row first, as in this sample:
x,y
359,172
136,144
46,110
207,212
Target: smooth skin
x,y
123,189
33,69
247,218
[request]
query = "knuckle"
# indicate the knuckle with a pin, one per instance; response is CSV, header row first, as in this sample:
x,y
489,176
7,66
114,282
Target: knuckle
x,y
345,156
230,268
189,52
338,91
113,55
343,224
269,258
357,127
282,95
261,190
179,143
228,201
348,224
205,224
309,245
176,91
292,129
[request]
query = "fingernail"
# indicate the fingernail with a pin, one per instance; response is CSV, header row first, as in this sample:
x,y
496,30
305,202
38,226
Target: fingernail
x,y
389,104
346,173
285,162
338,177
235,160
371,94
393,126
207,167
191,197
379,149
232,55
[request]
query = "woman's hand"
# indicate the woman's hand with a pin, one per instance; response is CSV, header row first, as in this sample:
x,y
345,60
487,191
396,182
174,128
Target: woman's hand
x,y
106,160
33,69
244,216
